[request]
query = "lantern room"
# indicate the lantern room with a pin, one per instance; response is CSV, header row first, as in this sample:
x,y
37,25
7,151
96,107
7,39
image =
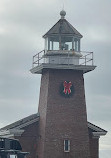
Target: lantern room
x,y
62,36
62,49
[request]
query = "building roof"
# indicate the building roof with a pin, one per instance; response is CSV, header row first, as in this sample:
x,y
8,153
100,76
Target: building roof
x,y
63,27
23,122
17,127
95,130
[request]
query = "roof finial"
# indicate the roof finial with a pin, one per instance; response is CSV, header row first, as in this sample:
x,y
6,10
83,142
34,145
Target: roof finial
x,y
62,13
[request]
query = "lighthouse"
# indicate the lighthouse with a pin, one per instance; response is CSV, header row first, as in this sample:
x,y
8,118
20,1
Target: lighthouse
x,y
63,125
60,128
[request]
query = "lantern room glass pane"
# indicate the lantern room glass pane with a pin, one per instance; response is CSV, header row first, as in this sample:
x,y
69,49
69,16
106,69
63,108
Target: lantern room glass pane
x,y
53,43
66,43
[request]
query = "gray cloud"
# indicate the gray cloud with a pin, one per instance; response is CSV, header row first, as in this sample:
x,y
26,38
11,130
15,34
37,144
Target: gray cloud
x,y
22,24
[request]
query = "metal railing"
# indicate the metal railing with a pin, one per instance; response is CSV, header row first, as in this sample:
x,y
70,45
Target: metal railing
x,y
86,58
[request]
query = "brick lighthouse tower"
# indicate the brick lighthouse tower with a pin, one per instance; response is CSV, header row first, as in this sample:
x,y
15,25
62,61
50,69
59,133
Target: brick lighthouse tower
x,y
63,129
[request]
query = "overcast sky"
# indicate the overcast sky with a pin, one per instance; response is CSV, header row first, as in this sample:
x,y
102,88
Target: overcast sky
x,y
22,24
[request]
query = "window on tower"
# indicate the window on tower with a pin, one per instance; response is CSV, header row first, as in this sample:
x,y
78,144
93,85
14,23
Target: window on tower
x,y
66,145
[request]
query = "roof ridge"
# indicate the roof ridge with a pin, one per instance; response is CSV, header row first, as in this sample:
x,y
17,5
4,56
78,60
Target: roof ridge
x,y
72,27
51,28
97,127
21,121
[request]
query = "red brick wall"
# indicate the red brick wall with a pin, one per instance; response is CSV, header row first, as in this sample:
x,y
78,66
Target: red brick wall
x,y
62,118
43,110
94,147
29,139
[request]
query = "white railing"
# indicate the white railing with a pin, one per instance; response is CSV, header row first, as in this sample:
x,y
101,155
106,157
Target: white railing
x,y
63,57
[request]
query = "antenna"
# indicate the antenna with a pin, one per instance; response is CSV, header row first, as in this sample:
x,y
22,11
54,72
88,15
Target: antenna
x,y
63,6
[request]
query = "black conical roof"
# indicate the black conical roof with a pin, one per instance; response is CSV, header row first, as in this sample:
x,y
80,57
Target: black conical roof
x,y
63,27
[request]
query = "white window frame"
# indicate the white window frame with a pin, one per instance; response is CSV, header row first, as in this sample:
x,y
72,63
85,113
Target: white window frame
x,y
68,145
